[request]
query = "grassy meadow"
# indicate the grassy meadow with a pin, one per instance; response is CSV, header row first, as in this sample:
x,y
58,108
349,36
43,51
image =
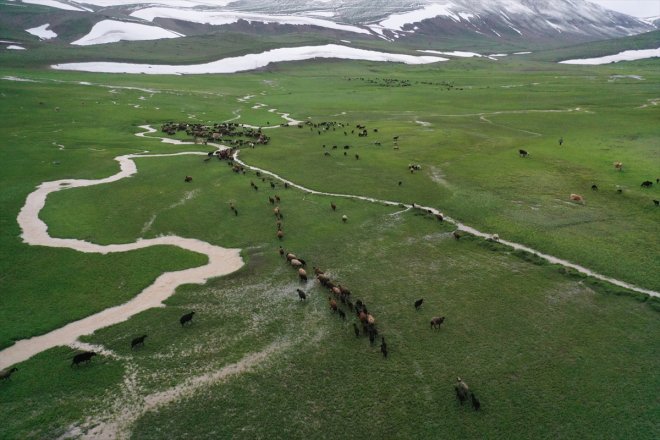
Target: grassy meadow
x,y
549,353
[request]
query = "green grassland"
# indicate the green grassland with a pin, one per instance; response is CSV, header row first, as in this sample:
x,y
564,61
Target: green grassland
x,y
549,354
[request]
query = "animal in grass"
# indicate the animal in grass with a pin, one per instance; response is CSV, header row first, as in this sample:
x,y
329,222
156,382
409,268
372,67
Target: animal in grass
x,y
271,200
618,166
82,357
462,390
333,304
138,341
333,206
383,348
344,218
281,251
342,314
272,185
439,216
6,374
276,211
370,319
576,198
523,153
291,256
187,318
188,179
277,198
561,141
295,263
475,402
456,235
301,294
280,234
594,187
356,330
436,321
656,202
646,184
418,303
302,274
318,271
335,290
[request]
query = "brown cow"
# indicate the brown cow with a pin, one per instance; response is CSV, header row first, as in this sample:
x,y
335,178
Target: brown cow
x,y
436,321
576,198
280,234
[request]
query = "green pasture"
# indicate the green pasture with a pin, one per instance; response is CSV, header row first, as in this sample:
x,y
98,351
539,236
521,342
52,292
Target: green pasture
x,y
550,354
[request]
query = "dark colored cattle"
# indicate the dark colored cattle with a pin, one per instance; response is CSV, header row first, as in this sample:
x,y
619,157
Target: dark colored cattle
x,y
187,318
436,321
301,294
6,374
594,187
383,348
82,357
333,206
646,184
356,330
342,314
138,341
656,202
418,303
188,179
523,153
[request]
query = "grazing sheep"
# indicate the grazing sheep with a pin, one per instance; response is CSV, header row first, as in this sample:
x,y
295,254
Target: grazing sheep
x,y
344,218
333,304
618,166
356,330
82,357
344,290
436,321
342,315
187,318
277,198
295,263
138,341
370,319
271,200
188,179
418,303
301,294
335,290
333,206
475,402
302,274
276,211
272,185
281,251
290,256
576,198
6,374
318,271
523,153
280,234
646,184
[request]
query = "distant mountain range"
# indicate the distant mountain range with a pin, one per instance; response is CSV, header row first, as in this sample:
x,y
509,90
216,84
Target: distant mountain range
x,y
552,22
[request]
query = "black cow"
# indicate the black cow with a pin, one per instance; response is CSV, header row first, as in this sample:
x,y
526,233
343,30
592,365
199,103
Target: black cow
x,y
523,153
646,184
418,303
187,318
82,357
301,294
138,341
475,402
6,374
594,187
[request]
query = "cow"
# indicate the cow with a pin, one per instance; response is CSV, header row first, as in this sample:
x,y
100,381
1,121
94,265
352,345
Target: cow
x,y
418,303
187,318
646,184
461,389
301,294
618,166
6,374
576,198
138,341
523,153
594,187
475,402
188,179
436,321
82,357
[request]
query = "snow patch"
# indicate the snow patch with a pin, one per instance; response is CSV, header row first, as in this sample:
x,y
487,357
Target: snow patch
x,y
397,21
252,61
111,31
219,18
42,32
55,4
626,55
15,47
455,53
